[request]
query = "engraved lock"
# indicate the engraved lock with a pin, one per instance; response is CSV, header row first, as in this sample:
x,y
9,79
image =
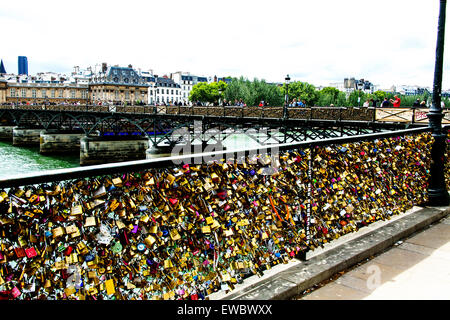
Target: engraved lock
x,y
76,210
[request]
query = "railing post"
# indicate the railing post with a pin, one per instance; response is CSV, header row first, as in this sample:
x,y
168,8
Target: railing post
x,y
437,192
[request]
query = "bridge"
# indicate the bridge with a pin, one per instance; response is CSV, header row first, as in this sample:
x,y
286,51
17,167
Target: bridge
x,y
119,133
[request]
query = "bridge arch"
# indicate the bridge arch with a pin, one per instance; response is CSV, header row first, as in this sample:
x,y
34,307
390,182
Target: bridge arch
x,y
101,121
77,120
33,114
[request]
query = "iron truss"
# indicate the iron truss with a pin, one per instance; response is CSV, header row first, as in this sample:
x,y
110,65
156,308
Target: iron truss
x,y
165,126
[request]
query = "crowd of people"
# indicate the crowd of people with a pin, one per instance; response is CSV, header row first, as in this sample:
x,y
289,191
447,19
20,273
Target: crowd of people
x,y
396,103
386,103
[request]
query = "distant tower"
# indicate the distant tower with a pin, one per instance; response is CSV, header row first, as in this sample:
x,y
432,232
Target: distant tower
x,y
2,68
23,65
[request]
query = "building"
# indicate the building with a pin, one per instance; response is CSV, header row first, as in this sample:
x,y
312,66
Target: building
x,y
2,68
44,88
81,76
186,82
118,85
408,90
22,65
351,84
3,89
163,90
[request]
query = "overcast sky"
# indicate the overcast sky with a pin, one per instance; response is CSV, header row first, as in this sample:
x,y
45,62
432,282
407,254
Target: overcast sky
x,y
386,41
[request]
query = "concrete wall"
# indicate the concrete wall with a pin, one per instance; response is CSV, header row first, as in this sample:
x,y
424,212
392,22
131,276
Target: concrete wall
x,y
98,150
6,132
54,142
26,137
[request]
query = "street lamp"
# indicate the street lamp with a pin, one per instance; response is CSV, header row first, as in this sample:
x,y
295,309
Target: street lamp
x,y
437,193
286,103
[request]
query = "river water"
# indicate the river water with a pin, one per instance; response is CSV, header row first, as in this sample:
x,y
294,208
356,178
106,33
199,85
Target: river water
x,y
23,160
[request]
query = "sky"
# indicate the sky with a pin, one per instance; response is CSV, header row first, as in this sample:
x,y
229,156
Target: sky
x,y
388,42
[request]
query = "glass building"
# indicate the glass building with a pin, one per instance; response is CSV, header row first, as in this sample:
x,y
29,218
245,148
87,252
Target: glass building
x,y
23,65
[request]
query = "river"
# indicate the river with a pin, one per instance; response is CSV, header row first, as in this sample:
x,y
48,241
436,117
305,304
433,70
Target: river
x,y
23,160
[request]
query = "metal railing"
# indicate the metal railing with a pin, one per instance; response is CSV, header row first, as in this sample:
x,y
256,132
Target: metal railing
x,y
407,115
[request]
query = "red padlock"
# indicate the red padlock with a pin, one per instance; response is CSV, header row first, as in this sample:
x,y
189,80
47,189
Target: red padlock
x,y
30,252
20,252
68,251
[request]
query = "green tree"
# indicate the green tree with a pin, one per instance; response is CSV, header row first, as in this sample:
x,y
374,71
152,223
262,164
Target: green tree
x,y
252,92
237,89
302,91
208,92
328,96
353,98
379,96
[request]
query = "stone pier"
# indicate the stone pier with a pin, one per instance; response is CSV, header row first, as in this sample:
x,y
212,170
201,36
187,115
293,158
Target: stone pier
x,y
182,149
6,132
58,142
26,136
106,149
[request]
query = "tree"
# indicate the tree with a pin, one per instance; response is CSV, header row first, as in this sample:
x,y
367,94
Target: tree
x,y
330,95
208,92
302,91
238,89
353,98
252,92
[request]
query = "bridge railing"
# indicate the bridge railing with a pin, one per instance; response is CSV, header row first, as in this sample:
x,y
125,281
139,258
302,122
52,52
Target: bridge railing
x,y
184,226
410,115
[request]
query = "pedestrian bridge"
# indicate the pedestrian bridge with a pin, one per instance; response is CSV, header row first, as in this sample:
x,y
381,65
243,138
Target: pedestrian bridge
x,y
409,115
119,133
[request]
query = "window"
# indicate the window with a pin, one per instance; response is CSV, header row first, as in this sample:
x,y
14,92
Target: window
x,y
44,93
171,91
116,94
127,95
61,93
33,93
72,93
52,93
24,92
13,92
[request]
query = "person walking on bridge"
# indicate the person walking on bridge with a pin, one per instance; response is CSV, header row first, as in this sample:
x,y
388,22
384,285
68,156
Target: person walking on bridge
x,y
396,102
385,103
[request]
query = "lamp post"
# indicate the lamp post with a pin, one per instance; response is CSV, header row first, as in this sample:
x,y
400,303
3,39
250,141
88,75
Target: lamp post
x,y
437,193
286,103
